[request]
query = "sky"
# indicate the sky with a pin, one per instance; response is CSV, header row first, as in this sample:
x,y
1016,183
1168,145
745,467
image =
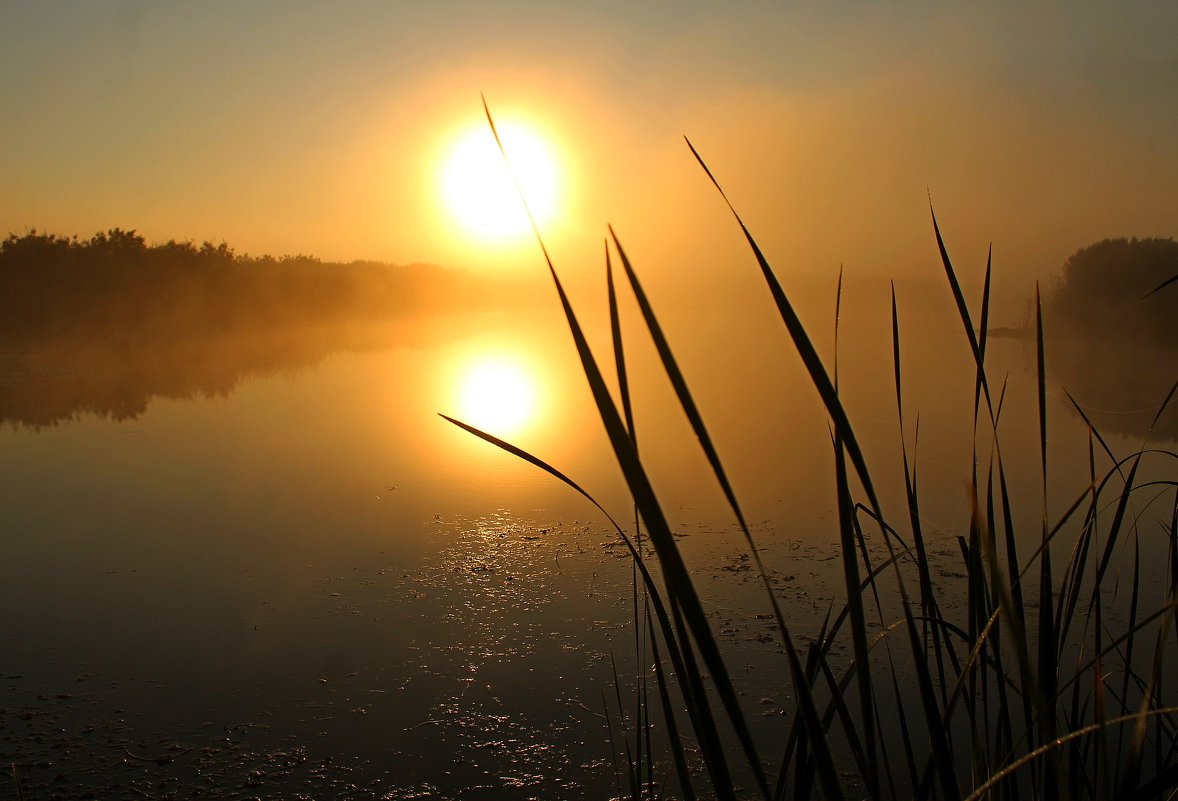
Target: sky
x,y
302,127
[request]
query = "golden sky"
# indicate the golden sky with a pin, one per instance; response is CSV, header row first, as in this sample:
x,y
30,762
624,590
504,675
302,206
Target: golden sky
x,y
323,128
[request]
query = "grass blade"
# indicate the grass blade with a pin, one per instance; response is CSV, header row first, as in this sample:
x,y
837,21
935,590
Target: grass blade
x,y
615,327
1165,403
962,309
1161,286
804,346
677,755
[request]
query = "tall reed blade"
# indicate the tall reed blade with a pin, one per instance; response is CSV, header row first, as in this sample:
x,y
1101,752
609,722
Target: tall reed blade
x,y
1132,773
1047,669
1091,427
639,629
680,759
804,346
632,765
983,333
615,327
1041,378
959,299
838,309
928,602
846,511
1161,286
1165,403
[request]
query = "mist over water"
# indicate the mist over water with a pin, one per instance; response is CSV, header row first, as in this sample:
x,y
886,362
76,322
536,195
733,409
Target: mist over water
x,y
260,539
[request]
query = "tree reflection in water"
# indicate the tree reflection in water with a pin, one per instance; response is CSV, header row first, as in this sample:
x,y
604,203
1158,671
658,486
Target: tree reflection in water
x,y
102,326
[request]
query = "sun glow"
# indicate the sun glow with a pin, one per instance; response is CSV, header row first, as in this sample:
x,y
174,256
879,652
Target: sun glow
x,y
497,395
479,193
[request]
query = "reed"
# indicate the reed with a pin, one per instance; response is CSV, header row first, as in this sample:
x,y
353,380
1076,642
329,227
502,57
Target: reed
x,y
1031,691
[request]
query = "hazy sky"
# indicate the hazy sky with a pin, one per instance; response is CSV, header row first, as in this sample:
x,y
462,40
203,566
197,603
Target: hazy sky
x,y
321,128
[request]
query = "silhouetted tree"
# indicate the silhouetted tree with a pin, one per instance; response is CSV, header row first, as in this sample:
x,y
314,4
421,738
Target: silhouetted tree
x,y
1112,332
1107,290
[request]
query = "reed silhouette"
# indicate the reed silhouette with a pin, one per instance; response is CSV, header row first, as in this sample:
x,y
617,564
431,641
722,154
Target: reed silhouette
x,y
1027,680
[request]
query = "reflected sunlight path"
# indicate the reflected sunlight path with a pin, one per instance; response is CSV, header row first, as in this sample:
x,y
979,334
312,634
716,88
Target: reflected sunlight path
x,y
498,393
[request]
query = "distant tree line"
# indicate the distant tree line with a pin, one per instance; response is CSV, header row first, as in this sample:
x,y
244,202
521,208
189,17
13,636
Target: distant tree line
x,y
105,324
1119,290
1112,333
115,285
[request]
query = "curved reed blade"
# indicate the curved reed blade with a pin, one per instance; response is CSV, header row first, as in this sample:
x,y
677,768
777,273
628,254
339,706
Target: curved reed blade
x,y
631,766
924,574
1113,645
983,333
984,327
814,730
985,789
905,734
838,307
624,392
613,746
804,346
896,368
1091,427
1047,668
846,512
1173,536
1165,403
678,757
1041,378
615,327
826,637
681,658
959,299
1116,525
1161,286
1133,760
941,753
529,458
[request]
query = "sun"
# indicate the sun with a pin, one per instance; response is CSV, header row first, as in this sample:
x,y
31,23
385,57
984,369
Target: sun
x,y
478,191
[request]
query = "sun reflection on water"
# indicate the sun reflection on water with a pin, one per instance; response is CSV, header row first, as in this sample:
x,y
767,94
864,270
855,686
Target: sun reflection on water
x,y
498,393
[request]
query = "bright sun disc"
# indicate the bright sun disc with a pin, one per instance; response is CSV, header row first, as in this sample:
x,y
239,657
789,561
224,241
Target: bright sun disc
x,y
478,189
497,396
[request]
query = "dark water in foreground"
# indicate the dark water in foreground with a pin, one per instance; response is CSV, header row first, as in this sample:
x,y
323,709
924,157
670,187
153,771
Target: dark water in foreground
x,y
298,581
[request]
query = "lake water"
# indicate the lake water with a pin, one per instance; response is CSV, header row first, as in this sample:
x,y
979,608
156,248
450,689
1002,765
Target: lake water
x,y
291,578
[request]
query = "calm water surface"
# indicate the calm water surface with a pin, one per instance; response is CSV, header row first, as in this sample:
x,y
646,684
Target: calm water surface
x,y
303,581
